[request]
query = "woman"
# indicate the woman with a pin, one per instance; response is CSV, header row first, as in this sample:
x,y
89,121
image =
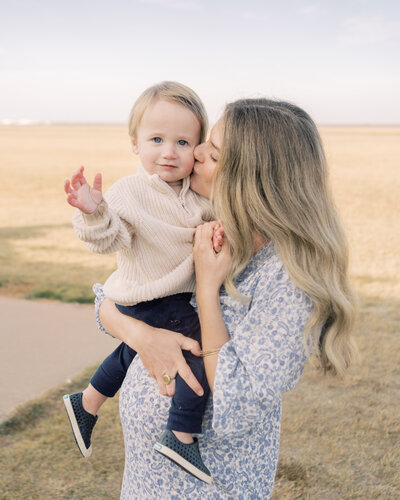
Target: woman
x,y
283,267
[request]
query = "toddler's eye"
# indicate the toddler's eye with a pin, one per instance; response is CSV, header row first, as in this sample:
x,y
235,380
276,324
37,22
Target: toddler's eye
x,y
182,142
157,140
213,159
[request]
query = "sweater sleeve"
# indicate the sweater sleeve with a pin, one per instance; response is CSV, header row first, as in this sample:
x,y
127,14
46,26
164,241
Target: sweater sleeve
x,y
104,231
264,357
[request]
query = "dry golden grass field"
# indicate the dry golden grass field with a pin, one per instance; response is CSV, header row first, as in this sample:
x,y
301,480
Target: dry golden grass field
x,y
39,252
340,439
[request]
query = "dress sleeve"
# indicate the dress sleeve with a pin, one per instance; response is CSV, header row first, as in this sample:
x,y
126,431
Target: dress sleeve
x,y
264,357
98,300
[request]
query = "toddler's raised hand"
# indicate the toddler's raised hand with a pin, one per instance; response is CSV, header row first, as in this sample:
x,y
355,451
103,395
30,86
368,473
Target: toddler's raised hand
x,y
81,195
218,237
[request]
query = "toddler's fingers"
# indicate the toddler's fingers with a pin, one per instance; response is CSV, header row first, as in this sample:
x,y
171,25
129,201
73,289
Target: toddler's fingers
x,y
76,182
218,237
217,247
79,172
73,200
78,179
216,244
67,186
97,184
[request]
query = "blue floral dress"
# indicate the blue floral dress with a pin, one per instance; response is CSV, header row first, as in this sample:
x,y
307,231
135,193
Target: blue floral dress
x,y
264,357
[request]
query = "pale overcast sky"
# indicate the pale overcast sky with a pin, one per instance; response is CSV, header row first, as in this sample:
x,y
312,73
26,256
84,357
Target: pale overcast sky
x,y
87,60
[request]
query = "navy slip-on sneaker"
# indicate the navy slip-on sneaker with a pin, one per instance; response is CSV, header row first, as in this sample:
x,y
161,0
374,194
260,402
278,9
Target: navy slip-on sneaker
x,y
186,456
81,421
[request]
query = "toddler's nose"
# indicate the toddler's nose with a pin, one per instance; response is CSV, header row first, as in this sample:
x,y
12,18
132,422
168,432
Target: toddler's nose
x,y
169,152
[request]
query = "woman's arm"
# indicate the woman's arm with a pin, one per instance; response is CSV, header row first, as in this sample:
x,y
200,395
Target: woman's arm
x,y
159,350
266,352
211,268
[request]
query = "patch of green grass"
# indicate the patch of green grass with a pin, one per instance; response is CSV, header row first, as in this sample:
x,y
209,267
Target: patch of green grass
x,y
26,417
49,262
39,458
72,294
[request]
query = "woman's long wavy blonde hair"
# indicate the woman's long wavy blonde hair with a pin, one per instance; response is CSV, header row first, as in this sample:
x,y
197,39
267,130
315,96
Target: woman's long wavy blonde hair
x,y
271,180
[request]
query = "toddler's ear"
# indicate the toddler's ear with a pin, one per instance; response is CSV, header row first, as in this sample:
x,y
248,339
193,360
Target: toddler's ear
x,y
135,148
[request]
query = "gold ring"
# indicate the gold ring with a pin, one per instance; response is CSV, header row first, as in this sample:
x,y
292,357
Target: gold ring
x,y
167,379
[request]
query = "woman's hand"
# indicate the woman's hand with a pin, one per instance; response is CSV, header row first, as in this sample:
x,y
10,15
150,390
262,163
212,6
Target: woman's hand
x,y
211,267
160,350
161,353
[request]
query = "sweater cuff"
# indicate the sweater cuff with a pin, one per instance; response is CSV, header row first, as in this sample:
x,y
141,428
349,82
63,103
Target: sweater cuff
x,y
98,216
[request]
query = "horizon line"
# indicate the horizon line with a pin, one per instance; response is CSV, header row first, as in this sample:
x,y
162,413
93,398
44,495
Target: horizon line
x,y
27,122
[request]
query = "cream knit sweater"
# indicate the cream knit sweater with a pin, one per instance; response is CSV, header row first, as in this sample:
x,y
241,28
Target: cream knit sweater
x,y
151,228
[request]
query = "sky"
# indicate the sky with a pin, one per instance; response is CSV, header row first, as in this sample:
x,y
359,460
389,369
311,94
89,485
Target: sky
x,y
86,61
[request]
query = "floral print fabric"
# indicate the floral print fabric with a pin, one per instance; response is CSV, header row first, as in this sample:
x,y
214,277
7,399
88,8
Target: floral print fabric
x,y
264,357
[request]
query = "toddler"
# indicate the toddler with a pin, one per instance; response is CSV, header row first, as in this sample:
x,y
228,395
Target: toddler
x,y
149,219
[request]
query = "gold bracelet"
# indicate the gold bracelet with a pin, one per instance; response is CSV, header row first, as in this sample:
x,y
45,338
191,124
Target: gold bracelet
x,y
210,352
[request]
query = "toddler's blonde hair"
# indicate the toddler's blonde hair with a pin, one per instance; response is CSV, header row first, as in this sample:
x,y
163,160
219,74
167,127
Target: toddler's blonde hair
x,y
172,92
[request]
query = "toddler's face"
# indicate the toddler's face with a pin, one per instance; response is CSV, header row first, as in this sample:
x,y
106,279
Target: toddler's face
x,y
166,138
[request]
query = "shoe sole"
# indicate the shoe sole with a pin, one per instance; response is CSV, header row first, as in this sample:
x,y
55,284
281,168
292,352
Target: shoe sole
x,y
86,452
179,460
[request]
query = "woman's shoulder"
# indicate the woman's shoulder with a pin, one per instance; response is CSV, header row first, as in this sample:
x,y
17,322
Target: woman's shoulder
x,y
268,278
265,265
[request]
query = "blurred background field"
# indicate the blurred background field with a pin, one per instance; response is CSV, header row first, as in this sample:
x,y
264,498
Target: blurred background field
x,y
40,255
340,439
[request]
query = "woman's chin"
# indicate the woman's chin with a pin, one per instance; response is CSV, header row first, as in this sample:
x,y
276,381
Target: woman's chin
x,y
198,185
193,182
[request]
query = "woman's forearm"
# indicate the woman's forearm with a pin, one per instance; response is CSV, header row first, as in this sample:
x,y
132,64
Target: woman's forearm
x,y
213,330
122,327
211,268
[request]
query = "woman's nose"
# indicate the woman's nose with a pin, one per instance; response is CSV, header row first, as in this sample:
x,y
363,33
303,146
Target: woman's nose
x,y
198,153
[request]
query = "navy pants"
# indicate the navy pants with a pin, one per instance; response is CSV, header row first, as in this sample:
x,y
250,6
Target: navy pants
x,y
172,313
